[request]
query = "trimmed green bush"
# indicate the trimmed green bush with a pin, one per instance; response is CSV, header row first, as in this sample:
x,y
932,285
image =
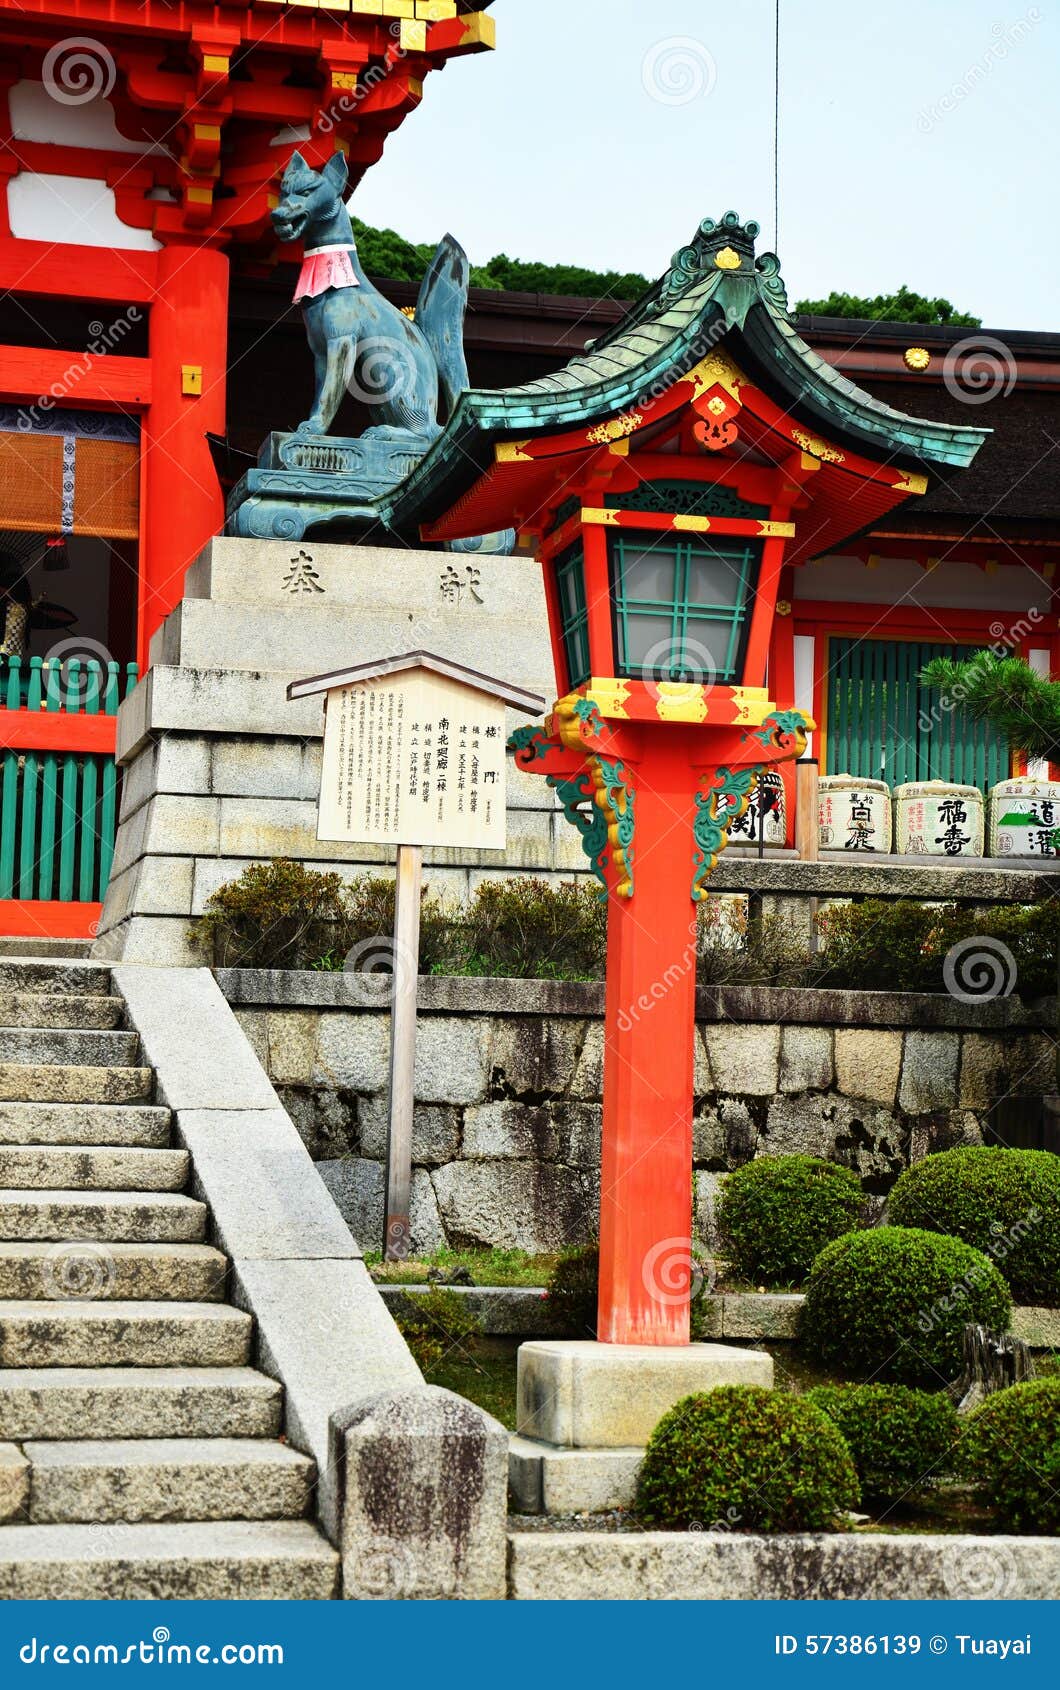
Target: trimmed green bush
x,y
741,1457
892,1302
901,1439
434,1322
1011,1451
1004,1202
777,1213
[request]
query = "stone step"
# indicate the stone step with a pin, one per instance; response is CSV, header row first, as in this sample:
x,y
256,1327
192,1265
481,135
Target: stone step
x,y
60,1047
26,1082
182,1273
41,976
21,949
145,1125
269,1560
163,1217
138,1402
73,1167
137,1479
30,1009
75,1334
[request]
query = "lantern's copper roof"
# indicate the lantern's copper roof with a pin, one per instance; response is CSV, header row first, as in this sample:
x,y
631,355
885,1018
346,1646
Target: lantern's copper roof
x,y
716,295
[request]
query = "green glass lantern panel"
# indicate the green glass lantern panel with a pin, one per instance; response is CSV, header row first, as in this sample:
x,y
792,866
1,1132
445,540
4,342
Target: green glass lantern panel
x,y
681,607
574,616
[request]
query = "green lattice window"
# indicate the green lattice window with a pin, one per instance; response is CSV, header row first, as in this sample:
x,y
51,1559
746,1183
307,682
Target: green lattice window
x,y
681,607
574,617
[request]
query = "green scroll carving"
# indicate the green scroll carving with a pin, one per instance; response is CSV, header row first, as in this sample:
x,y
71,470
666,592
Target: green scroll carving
x,y
716,809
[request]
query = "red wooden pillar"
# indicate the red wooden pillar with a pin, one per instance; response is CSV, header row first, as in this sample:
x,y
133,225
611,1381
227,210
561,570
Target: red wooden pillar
x,y
183,504
646,1158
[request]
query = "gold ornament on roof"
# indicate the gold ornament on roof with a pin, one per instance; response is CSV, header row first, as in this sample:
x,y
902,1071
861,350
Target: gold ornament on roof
x,y
617,428
817,447
727,259
916,357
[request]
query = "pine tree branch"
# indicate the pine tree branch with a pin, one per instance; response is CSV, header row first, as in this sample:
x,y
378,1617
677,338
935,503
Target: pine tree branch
x,y
1005,691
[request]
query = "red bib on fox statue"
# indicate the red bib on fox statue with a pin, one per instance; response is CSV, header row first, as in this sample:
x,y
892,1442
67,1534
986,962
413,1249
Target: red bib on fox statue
x,y
325,267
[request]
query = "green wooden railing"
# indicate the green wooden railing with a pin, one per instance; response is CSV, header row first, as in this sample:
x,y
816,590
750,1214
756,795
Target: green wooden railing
x,y
58,793
883,725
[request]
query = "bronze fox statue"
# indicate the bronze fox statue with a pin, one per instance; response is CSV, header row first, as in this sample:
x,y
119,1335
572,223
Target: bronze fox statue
x,y
361,343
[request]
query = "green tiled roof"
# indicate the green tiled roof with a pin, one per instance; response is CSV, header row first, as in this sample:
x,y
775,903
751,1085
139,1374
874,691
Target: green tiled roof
x,y
693,308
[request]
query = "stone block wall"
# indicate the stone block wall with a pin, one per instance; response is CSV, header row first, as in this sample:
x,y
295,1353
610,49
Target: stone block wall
x,y
508,1085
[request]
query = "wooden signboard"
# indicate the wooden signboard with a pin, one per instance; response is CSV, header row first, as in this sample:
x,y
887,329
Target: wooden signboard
x,y
414,755
415,758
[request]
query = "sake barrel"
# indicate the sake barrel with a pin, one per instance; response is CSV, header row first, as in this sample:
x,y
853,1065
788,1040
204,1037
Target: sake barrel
x,y
936,818
853,815
768,795
1025,818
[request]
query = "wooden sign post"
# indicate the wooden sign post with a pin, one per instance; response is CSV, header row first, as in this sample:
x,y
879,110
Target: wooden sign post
x,y
414,756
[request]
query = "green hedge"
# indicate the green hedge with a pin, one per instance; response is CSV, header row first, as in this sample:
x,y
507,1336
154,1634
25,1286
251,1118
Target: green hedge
x,y
778,1212
892,1302
901,946
1011,1451
741,1457
901,1439
1004,1202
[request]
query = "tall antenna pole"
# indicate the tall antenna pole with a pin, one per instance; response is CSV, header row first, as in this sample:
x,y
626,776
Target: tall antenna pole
x,y
776,125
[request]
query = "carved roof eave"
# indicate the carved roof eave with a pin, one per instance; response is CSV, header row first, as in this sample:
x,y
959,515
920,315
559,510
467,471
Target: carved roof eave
x,y
743,312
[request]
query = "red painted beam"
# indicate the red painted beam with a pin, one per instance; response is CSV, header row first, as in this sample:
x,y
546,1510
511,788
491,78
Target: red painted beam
x,y
57,730
48,919
31,372
42,268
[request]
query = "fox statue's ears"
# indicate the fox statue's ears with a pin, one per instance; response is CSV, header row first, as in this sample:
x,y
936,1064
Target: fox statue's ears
x,y
336,172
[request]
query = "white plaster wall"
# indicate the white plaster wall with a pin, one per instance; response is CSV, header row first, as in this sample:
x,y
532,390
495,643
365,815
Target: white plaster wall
x,y
71,211
956,586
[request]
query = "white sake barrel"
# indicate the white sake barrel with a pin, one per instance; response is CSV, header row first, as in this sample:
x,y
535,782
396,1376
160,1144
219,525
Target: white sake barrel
x,y
1024,818
936,818
854,815
745,830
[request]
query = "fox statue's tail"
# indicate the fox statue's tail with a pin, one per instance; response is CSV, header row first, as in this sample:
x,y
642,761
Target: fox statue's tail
x,y
440,311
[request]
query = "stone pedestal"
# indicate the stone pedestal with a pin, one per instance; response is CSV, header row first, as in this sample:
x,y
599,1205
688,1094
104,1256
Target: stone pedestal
x,y
585,1412
220,770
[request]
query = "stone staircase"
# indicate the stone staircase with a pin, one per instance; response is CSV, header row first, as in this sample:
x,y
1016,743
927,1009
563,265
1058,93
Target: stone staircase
x,y
140,1453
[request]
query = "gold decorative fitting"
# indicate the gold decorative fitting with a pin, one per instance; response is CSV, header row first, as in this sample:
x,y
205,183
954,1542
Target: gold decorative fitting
x,y
716,370
617,428
916,357
680,701
752,706
609,694
776,530
600,518
409,311
911,483
691,524
783,607
511,452
413,38
818,448
726,259
717,407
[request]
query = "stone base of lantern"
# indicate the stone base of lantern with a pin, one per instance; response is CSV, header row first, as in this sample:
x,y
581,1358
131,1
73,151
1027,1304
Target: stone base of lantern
x,y
584,1395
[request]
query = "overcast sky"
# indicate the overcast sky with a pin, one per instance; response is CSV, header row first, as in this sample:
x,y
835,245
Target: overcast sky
x,y
919,143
